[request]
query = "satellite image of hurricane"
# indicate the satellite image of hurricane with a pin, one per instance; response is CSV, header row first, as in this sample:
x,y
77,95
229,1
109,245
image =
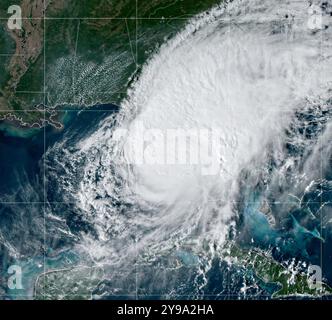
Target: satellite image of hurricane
x,y
166,149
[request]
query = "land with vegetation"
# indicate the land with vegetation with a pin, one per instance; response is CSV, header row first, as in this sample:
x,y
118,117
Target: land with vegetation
x,y
73,54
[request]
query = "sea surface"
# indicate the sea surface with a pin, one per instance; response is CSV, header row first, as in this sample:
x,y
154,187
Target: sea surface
x,y
24,198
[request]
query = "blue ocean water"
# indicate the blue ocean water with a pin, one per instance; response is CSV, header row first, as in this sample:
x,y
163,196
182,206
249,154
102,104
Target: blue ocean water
x,y
302,231
23,189
18,156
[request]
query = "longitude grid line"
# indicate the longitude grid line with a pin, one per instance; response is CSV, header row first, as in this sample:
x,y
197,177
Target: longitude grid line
x,y
44,164
130,44
136,251
227,108
75,62
321,164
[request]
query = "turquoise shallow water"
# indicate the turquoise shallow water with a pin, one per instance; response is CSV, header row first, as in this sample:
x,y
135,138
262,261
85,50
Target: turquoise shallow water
x,y
32,268
299,232
23,187
10,131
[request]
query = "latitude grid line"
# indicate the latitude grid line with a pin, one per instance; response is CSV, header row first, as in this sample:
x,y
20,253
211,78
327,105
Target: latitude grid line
x,y
121,18
104,18
231,296
209,201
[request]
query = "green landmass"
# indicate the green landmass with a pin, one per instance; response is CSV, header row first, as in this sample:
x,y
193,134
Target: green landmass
x,y
291,282
81,282
84,53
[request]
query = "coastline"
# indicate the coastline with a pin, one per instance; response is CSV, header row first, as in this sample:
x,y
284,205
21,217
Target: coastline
x,y
11,126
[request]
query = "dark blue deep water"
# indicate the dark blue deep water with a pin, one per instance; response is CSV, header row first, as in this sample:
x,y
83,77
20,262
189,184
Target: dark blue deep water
x,y
24,192
301,231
